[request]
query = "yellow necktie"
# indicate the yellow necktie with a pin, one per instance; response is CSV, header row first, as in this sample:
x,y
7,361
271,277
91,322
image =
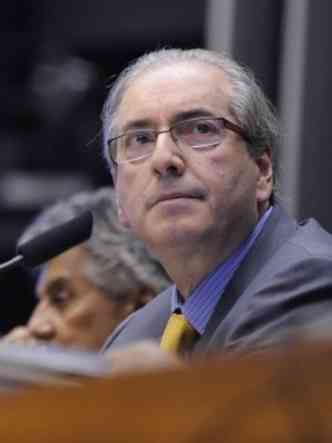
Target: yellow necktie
x,y
178,335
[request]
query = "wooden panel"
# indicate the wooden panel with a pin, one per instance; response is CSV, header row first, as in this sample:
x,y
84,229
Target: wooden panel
x,y
282,397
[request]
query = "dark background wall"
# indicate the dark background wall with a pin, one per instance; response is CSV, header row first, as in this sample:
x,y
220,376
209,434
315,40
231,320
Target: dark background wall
x,y
57,60
287,44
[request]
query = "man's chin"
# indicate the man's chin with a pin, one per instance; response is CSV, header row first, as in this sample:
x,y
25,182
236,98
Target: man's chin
x,y
173,234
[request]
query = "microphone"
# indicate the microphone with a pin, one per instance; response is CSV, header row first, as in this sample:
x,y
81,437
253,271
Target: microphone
x,y
51,243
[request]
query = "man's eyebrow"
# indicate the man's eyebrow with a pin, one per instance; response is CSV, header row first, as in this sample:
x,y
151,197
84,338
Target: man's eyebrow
x,y
193,113
57,284
180,116
137,124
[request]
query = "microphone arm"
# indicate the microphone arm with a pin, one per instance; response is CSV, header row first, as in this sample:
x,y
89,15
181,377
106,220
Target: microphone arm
x,y
51,243
12,263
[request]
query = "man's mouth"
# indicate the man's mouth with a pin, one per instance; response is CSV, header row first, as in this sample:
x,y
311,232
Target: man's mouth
x,y
168,196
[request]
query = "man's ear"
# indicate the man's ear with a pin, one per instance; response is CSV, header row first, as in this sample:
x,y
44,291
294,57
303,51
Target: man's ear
x,y
265,176
123,217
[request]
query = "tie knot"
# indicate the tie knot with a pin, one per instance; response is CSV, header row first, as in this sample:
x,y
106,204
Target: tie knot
x,y
178,335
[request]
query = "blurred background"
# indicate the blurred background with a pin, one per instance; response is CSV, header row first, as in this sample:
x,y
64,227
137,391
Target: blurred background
x,y
58,59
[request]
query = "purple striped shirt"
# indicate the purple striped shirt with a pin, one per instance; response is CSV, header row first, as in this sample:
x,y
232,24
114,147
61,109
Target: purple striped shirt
x,y
199,306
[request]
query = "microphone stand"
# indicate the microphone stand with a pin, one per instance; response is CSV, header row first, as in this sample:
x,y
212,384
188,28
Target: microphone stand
x,y
12,263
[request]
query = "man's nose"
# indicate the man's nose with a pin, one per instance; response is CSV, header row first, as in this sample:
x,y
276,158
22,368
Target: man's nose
x,y
167,157
41,326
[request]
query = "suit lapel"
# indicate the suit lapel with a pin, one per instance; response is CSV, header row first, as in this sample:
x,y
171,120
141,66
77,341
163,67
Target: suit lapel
x,y
154,317
277,230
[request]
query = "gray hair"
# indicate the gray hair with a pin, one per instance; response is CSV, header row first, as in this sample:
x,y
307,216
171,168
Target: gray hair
x,y
118,262
250,107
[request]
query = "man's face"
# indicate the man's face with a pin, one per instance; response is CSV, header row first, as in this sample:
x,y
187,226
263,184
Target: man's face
x,y
179,196
71,311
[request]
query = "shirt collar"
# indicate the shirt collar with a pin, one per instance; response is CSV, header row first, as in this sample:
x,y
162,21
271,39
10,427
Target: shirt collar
x,y
199,306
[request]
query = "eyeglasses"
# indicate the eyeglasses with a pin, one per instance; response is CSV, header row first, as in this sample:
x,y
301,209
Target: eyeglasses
x,y
197,133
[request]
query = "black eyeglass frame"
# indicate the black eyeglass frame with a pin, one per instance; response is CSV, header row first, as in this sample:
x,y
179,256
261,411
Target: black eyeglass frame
x,y
227,124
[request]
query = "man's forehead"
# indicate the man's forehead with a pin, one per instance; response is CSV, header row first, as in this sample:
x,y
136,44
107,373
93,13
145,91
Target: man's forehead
x,y
65,266
176,89
48,273
176,117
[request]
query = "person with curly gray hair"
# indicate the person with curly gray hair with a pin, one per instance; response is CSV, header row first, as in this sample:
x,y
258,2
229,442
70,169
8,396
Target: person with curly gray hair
x,y
86,291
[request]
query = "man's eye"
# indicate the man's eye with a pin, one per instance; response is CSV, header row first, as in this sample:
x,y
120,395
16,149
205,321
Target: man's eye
x,y
138,138
205,128
58,298
143,138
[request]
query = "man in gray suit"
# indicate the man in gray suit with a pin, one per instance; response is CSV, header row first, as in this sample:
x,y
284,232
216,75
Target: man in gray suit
x,y
190,139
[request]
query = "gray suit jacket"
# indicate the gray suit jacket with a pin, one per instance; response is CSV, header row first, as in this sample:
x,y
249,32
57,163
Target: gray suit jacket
x,y
285,282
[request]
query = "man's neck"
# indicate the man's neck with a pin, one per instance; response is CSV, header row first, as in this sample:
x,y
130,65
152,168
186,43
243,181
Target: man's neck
x,y
189,264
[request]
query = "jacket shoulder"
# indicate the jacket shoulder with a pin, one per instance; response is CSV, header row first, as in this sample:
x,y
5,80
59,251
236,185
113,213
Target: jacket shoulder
x,y
285,284
146,323
293,291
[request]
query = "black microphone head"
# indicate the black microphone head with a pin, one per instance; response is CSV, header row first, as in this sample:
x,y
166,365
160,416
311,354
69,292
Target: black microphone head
x,y
56,241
